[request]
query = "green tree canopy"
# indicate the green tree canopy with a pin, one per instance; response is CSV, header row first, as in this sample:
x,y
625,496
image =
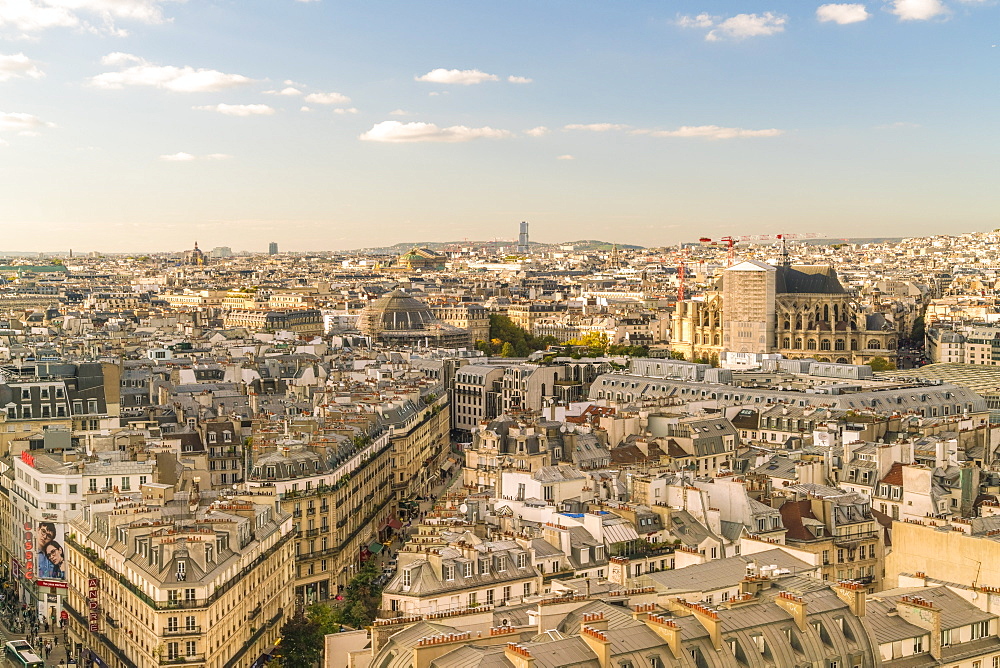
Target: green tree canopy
x,y
301,642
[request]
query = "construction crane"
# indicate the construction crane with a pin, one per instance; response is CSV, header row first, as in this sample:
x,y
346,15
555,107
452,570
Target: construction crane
x,y
731,241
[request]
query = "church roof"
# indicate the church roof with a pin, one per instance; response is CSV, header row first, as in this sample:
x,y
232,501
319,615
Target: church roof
x,y
808,279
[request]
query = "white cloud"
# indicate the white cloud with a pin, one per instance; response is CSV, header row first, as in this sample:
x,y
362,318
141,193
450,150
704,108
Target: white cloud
x,y
400,112
18,65
189,157
178,79
289,91
31,16
596,127
842,13
540,131
396,132
327,98
565,157
460,77
918,10
735,27
699,21
748,25
303,108
21,123
712,132
36,15
519,80
350,110
240,109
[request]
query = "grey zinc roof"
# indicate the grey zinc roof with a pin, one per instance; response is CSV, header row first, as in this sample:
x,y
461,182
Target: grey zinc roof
x,y
722,573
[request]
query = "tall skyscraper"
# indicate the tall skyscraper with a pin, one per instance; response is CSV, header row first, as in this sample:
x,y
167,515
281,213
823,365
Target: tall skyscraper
x,y
272,248
522,239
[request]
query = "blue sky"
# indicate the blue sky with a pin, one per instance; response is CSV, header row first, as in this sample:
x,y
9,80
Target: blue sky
x,y
130,125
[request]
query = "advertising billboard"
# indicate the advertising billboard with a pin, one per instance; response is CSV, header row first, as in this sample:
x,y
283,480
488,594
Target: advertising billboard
x,y
50,552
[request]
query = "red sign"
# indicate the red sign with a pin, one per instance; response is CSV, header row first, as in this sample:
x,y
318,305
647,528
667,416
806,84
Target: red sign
x,y
29,552
58,584
28,458
63,615
94,617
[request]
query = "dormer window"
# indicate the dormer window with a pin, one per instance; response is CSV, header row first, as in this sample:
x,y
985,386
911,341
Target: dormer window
x,y
181,570
449,572
212,437
522,560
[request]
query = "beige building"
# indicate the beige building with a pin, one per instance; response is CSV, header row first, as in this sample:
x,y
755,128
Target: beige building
x,y
166,580
300,320
807,313
340,500
473,317
195,298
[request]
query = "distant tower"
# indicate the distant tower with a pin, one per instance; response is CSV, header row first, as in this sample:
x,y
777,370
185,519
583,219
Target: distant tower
x,y
522,240
272,248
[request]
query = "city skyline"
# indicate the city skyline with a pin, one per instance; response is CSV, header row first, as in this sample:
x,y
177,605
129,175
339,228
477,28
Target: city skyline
x,y
134,125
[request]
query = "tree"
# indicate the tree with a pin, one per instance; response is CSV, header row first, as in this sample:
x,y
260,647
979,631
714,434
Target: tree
x,y
301,642
676,355
507,350
881,364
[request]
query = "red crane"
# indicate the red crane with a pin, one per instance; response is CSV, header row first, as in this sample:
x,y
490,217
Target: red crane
x,y
730,242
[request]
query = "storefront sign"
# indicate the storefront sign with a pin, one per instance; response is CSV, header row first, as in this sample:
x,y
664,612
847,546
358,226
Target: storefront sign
x,y
93,602
28,458
29,552
58,584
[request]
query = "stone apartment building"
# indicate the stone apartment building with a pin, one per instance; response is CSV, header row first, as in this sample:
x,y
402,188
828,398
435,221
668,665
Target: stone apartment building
x,y
177,579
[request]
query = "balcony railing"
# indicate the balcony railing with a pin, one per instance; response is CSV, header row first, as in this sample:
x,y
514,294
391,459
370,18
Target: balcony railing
x,y
182,631
178,660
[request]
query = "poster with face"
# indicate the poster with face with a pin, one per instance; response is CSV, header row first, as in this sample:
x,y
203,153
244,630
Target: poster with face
x,y
50,553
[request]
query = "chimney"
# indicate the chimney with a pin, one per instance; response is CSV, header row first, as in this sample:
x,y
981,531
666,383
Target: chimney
x,y
594,620
709,619
519,656
753,584
432,647
853,594
641,612
668,630
922,613
599,644
795,606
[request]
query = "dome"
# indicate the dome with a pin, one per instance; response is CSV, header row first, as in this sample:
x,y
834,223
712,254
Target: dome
x,y
396,311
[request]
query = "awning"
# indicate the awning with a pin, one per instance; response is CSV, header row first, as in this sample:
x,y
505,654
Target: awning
x,y
376,547
395,524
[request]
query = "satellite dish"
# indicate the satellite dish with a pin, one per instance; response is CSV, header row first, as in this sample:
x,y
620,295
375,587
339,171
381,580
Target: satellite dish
x,y
464,508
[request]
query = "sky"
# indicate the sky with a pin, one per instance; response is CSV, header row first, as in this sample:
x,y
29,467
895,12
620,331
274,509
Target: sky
x,y
147,125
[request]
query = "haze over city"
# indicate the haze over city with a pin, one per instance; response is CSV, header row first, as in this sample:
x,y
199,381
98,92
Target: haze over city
x,y
126,125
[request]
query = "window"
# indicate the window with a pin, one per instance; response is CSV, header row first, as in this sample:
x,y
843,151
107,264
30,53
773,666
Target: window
x,y
173,651
173,595
467,569
191,648
918,645
527,589
980,630
449,572
506,593
406,578
522,560
489,597
171,623
189,594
